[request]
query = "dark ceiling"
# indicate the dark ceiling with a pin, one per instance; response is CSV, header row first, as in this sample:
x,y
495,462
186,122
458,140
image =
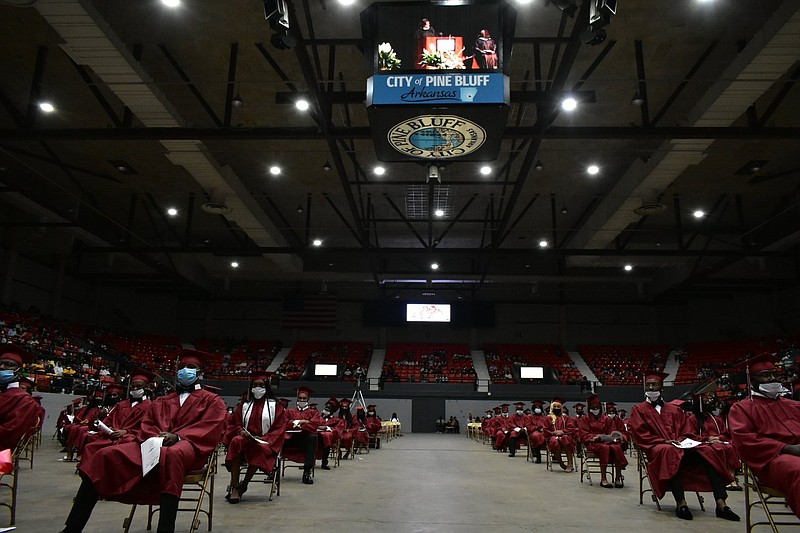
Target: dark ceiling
x,y
148,89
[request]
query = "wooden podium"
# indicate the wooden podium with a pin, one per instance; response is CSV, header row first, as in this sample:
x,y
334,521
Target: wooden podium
x,y
450,43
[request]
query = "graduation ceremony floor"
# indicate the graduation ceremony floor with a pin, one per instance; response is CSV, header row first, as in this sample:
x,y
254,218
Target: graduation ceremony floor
x,y
416,483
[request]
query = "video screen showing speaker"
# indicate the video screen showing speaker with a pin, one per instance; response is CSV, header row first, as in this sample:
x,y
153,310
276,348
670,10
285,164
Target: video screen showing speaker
x,y
416,314
435,35
427,312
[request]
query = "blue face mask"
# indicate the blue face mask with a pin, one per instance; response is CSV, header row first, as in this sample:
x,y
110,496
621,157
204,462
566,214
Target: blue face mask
x,y
7,376
187,376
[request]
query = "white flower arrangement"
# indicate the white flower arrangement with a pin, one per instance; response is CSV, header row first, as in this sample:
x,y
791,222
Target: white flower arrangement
x,y
387,58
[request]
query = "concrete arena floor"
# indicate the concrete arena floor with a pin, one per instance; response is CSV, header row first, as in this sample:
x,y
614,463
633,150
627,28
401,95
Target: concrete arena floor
x,y
416,483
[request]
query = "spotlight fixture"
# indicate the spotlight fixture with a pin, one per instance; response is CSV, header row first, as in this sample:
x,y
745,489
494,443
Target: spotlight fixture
x,y
171,3
347,2
486,170
628,268
439,213
699,213
234,264
274,170
538,166
543,243
302,105
326,167
434,266
379,171
593,169
317,242
172,212
637,100
237,102
569,104
47,107
570,7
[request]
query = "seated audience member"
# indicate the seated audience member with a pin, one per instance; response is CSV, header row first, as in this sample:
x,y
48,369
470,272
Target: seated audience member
x,y
559,431
255,435
657,427
19,412
597,433
394,418
301,425
190,420
766,430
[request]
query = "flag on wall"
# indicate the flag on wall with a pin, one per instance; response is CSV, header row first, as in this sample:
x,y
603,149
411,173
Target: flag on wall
x,y
316,311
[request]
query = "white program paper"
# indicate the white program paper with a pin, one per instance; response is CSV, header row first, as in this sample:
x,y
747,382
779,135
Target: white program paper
x,y
151,452
687,443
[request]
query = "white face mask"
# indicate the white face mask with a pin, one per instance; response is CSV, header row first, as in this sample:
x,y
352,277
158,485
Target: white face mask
x,y
771,390
258,392
612,415
537,411
325,412
595,412
505,415
653,395
137,394
520,412
302,405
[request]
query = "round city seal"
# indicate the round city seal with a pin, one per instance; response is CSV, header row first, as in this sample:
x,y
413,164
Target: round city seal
x,y
436,136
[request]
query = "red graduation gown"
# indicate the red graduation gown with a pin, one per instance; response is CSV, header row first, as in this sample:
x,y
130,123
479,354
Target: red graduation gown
x,y
123,416
373,424
534,427
18,416
760,428
116,470
261,455
291,451
715,426
589,427
565,442
650,429
337,425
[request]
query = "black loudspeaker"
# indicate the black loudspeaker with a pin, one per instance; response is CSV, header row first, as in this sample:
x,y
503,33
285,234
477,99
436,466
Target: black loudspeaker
x,y
276,14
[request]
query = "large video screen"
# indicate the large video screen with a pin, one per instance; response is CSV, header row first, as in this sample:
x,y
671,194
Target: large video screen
x,y
462,315
435,36
531,372
325,370
427,312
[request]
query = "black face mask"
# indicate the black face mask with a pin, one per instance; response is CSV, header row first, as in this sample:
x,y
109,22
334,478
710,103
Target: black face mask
x,y
557,412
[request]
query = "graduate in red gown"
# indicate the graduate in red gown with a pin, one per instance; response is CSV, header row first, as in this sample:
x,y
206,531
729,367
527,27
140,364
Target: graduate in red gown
x,y
126,417
301,439
489,421
330,431
84,420
560,433
28,385
352,427
190,421
19,412
517,424
766,430
535,429
373,420
502,428
657,427
707,427
255,434
596,432
86,434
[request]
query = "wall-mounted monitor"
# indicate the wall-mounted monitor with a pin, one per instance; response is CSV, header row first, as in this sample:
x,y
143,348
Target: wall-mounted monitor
x,y
531,372
427,312
325,370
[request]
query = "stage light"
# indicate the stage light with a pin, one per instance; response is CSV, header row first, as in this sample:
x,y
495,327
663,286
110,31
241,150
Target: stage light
x,y
439,213
569,104
486,170
434,266
274,170
628,268
379,171
47,107
172,212
699,213
302,105
171,3
593,169
543,243
234,264
317,242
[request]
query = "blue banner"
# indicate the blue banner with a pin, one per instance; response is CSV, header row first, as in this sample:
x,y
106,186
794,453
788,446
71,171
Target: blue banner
x,y
438,88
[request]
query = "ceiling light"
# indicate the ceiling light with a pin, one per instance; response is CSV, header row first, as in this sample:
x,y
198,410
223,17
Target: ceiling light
x,y
302,105
538,166
628,268
326,167
347,2
564,210
299,208
234,264
593,169
569,104
434,266
171,3
274,170
237,102
699,213
379,171
637,100
439,213
47,107
543,244
172,211
317,242
486,170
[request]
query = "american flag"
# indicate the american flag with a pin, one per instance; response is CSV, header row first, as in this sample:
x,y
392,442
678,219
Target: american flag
x,y
309,311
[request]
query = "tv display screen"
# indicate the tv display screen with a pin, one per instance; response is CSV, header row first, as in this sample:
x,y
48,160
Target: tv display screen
x,y
427,312
531,372
325,370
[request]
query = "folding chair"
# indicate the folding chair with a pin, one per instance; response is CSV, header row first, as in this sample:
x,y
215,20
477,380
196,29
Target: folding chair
x,y
771,501
642,468
198,482
10,481
590,460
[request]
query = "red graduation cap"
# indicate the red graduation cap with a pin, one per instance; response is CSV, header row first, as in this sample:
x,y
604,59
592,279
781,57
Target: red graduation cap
x,y
345,403
334,403
610,405
579,405
304,389
559,401
761,362
519,405
593,399
622,411
537,403
261,375
26,383
98,393
505,406
194,356
497,409
660,376
678,402
114,387
371,407
15,353
313,406
360,408
142,374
